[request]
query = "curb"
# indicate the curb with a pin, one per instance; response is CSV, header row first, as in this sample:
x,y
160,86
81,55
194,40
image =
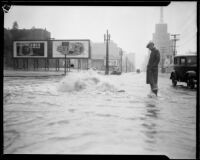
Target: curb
x,y
34,76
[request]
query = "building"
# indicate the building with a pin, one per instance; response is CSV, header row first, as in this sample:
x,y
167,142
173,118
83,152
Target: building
x,y
128,62
161,39
37,34
145,62
98,56
20,34
30,34
97,51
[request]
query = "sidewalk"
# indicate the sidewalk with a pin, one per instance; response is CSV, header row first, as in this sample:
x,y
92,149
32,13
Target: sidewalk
x,y
40,73
165,75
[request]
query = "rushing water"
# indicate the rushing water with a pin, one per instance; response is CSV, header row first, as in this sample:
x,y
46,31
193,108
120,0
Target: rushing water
x,y
89,113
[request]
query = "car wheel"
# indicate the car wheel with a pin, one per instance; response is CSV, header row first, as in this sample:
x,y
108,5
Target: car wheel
x,y
192,86
190,83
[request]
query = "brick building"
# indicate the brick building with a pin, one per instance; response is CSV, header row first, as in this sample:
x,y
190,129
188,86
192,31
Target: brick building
x,y
20,34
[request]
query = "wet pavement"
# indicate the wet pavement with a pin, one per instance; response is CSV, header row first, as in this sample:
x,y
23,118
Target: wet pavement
x,y
90,113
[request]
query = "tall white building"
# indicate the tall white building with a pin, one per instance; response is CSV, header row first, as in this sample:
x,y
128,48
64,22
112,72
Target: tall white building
x,y
161,39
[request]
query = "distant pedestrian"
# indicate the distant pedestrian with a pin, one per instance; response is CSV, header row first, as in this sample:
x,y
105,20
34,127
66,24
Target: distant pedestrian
x,y
152,68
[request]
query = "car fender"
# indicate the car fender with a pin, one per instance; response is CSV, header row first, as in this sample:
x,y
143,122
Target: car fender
x,y
191,74
173,74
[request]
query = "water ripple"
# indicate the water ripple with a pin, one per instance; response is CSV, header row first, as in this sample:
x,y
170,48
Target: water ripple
x,y
59,122
10,136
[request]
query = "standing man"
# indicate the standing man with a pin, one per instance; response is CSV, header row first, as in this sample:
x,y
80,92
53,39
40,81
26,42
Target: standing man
x,y
152,68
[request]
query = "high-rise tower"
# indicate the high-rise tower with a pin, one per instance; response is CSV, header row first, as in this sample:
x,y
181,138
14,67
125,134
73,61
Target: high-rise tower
x,y
161,15
162,41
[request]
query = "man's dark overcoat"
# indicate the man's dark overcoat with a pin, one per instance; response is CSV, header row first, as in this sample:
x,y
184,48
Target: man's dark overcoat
x,y
152,67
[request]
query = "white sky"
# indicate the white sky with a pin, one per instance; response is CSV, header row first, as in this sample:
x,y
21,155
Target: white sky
x,y
130,27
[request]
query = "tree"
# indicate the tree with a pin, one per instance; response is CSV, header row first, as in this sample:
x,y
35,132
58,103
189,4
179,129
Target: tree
x,y
15,25
7,48
7,39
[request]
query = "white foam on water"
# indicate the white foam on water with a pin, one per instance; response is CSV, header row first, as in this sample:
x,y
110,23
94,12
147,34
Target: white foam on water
x,y
77,81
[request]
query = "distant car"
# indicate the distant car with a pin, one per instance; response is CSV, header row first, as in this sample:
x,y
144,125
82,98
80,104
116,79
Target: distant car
x,y
94,69
138,70
72,65
116,72
185,70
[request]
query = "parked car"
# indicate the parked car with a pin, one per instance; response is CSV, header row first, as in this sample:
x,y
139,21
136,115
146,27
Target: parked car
x,y
185,70
116,71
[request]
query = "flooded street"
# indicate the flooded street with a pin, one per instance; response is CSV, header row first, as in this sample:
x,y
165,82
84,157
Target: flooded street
x,y
89,113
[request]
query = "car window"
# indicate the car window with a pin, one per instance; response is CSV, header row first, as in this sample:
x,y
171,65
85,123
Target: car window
x,y
175,60
191,60
182,61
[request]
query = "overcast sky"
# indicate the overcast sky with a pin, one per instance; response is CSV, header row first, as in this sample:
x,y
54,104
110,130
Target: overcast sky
x,y
130,27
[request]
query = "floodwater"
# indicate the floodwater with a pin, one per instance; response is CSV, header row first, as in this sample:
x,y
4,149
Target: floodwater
x,y
90,113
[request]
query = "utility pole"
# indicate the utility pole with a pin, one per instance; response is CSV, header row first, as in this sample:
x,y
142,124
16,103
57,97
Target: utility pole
x,y
126,64
174,40
107,40
163,56
65,63
65,50
121,54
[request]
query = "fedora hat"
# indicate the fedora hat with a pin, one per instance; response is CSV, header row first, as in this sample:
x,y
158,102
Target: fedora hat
x,y
150,43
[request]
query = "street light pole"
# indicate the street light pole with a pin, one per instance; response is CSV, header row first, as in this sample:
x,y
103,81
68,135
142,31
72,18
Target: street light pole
x,y
121,53
174,40
107,39
126,64
64,50
163,49
65,63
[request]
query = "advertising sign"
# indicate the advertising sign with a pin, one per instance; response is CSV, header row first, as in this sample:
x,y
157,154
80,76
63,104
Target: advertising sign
x,y
71,48
27,49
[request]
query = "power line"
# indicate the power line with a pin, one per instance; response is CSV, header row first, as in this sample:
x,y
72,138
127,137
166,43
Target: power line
x,y
186,46
187,26
189,15
193,36
188,23
186,42
189,31
186,20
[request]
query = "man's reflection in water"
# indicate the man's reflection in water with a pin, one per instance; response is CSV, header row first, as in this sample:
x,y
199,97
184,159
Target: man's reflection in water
x,y
149,125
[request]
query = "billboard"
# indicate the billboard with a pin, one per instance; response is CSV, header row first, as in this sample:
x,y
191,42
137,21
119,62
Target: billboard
x,y
72,48
30,49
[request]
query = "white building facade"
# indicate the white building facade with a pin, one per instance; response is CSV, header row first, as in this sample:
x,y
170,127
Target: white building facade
x,y
163,43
